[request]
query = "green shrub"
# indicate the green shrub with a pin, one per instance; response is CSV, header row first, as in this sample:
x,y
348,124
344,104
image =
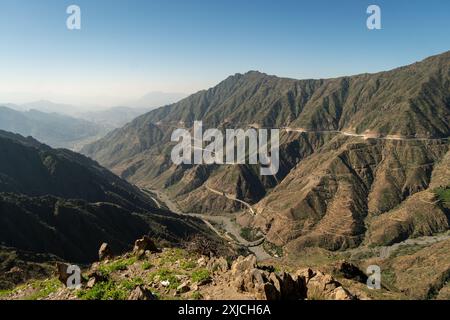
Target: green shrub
x,y
173,255
200,275
104,291
443,195
43,288
131,284
248,234
164,274
196,296
118,265
188,264
146,265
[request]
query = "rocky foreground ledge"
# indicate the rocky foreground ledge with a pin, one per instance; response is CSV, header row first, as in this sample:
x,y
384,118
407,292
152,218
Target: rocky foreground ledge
x,y
150,273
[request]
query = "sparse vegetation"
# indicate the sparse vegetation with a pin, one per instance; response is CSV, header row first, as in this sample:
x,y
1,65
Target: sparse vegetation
x,y
146,265
133,283
249,234
117,265
200,275
443,195
188,264
273,249
196,296
164,274
104,291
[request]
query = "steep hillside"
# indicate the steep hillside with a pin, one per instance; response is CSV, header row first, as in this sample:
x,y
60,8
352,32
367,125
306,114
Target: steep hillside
x,y
60,202
351,150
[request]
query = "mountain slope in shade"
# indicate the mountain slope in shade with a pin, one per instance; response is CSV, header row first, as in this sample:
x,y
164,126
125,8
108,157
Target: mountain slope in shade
x,y
60,202
331,186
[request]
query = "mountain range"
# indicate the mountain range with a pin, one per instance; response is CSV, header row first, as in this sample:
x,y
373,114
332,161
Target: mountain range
x,y
361,157
364,177
57,130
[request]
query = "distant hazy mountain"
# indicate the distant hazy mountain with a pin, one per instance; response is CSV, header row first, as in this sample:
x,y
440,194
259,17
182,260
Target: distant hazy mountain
x,y
113,117
157,99
53,129
50,107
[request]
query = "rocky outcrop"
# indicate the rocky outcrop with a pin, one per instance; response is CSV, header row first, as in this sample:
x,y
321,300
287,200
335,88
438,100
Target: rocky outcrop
x,y
324,287
104,252
143,245
266,285
218,264
303,284
141,293
61,272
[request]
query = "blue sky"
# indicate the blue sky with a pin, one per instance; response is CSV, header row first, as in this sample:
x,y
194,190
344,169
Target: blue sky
x,y
128,48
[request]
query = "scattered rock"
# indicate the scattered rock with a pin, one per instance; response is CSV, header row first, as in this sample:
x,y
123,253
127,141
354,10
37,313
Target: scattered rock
x,y
218,264
243,264
183,288
94,278
165,283
324,286
306,273
340,294
15,270
141,293
91,283
144,244
61,272
16,275
104,252
202,262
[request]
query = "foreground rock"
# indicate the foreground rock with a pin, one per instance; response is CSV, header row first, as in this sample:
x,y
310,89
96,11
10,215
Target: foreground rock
x,y
105,252
178,273
266,285
324,287
61,272
304,284
141,293
143,245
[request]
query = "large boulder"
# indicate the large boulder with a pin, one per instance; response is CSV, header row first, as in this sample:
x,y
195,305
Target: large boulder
x,y
218,264
105,252
324,286
141,293
94,277
243,264
267,292
246,277
61,272
144,244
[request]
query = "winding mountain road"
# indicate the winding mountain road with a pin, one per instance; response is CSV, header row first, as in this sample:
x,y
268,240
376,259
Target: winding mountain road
x,y
232,197
366,136
232,231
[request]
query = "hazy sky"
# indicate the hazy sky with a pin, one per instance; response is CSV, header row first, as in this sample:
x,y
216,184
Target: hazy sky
x,y
128,48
